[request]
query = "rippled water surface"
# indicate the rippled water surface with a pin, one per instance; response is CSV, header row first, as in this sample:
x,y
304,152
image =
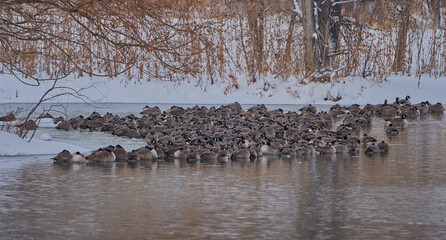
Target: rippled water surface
x,y
400,195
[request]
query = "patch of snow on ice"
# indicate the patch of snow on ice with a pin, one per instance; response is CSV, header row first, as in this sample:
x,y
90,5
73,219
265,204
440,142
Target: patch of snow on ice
x,y
45,137
13,145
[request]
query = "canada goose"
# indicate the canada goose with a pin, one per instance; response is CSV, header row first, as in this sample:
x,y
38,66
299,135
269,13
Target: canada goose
x,y
78,158
194,156
379,107
64,125
269,149
388,111
151,137
147,153
181,153
336,111
340,148
57,120
436,108
209,155
302,150
391,130
354,109
224,154
308,109
288,152
133,156
367,140
64,156
132,133
102,155
176,111
372,149
399,121
353,148
405,101
94,115
8,118
151,111
77,122
108,127
254,152
242,153
160,153
411,112
126,131
369,109
423,107
326,149
121,153
132,123
383,147
109,147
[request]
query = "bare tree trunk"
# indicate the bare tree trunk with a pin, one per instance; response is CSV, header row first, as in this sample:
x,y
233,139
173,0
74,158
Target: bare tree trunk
x,y
249,65
252,24
434,6
260,8
335,29
324,24
400,50
310,38
256,23
289,39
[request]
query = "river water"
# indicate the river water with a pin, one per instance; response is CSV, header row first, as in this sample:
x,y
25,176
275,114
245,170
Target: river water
x,y
400,195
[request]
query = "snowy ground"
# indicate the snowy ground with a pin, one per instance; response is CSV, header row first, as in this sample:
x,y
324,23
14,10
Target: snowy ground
x,y
351,91
12,145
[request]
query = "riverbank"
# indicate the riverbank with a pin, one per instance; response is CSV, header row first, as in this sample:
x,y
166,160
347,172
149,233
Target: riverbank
x,y
349,91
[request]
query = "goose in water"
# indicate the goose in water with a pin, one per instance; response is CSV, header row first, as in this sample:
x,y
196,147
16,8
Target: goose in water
x,y
367,140
288,152
209,155
436,108
64,156
391,130
147,153
242,153
78,158
326,149
269,149
133,156
383,147
372,149
398,121
102,155
121,153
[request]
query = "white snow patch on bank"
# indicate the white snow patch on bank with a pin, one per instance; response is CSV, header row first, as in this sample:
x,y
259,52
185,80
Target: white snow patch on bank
x,y
13,145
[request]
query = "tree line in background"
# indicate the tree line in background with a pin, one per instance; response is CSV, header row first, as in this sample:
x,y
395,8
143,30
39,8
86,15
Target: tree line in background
x,y
213,40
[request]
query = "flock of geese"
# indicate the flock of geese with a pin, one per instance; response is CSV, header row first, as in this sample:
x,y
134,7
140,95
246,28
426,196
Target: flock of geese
x,y
229,132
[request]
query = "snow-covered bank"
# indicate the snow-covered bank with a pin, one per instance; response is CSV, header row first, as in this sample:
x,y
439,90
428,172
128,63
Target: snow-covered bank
x,y
13,145
351,90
